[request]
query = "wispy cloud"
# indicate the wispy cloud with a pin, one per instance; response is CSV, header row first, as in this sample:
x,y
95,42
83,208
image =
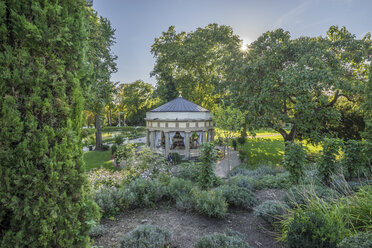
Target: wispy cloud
x,y
292,14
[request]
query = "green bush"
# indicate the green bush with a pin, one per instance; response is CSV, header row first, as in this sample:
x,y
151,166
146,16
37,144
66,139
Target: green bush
x,y
110,200
303,194
279,181
238,197
353,159
294,161
258,173
244,182
179,190
119,139
210,203
105,147
97,231
125,153
179,187
113,149
314,228
230,239
144,192
208,159
359,240
176,158
188,171
85,132
234,144
357,209
271,210
146,236
327,165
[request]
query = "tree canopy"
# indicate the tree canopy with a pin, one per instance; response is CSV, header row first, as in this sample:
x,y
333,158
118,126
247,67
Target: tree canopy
x,y
281,80
135,99
194,63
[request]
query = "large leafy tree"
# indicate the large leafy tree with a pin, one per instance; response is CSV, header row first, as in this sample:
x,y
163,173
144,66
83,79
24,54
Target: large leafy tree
x,y
43,187
99,89
135,99
298,81
194,63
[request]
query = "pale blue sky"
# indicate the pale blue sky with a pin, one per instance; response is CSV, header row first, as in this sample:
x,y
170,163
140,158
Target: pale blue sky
x,y
138,22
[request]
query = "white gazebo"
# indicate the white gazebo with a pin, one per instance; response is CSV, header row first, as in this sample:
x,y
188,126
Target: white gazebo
x,y
179,126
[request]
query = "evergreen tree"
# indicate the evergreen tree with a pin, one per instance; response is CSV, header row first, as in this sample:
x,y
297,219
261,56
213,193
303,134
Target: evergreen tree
x,y
43,188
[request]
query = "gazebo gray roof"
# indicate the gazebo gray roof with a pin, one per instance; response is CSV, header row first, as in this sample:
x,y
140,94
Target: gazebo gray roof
x,y
180,104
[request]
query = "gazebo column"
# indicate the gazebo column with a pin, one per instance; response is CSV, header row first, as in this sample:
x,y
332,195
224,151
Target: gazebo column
x,y
166,135
212,135
208,136
152,138
203,137
148,137
187,144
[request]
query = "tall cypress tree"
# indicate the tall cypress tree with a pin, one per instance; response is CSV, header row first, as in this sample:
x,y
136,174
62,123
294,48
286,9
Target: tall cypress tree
x,y
43,188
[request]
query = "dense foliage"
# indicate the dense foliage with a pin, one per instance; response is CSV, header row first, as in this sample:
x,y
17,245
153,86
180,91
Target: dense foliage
x,y
208,158
43,190
294,161
328,162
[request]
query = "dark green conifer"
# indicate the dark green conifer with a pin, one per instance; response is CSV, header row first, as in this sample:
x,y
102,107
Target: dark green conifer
x,y
43,186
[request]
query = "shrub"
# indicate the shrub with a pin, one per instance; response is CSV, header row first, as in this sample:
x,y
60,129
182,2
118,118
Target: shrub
x,y
294,161
178,187
279,181
105,177
119,139
258,173
314,227
231,240
110,200
244,182
146,236
271,210
113,149
151,165
144,192
188,170
125,153
327,164
208,158
353,160
97,231
179,190
85,132
359,240
210,203
238,197
357,209
242,139
303,194
176,158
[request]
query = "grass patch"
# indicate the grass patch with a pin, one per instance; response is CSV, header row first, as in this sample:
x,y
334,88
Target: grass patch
x,y
270,150
96,159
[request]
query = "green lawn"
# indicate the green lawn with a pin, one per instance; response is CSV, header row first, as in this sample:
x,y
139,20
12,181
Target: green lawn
x,y
96,159
269,150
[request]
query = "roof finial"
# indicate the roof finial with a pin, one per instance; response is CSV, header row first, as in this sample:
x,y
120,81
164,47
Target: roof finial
x,y
180,93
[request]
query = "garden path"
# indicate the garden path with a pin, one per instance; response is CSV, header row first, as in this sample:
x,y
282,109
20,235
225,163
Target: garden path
x,y
222,167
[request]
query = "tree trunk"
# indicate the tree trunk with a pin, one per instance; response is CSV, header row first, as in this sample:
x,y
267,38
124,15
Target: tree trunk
x,y
288,137
110,118
228,157
99,146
